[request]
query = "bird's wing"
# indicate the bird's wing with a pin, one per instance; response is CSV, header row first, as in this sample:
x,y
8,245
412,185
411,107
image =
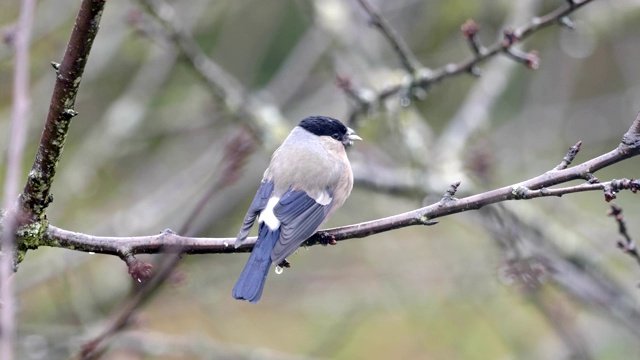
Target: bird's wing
x,y
257,205
300,216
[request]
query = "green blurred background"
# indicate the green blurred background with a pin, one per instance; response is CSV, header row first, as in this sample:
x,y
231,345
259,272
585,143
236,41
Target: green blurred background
x,y
147,143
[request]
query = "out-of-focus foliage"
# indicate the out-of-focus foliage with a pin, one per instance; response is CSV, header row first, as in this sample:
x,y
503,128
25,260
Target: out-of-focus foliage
x,y
148,139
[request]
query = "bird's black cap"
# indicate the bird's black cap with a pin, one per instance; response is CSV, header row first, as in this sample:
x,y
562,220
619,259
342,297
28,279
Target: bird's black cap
x,y
324,126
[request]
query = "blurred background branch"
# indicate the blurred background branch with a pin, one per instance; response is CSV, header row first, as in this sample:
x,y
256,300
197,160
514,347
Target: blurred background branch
x,y
10,216
628,245
424,78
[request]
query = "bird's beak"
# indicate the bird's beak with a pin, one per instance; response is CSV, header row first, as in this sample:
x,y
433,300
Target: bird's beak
x,y
351,135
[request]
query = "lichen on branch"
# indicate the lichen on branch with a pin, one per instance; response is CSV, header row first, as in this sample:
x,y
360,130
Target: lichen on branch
x,y
36,195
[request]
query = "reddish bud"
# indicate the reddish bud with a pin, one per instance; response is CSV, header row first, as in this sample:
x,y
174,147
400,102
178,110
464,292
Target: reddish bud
x,y
532,60
343,82
469,29
140,271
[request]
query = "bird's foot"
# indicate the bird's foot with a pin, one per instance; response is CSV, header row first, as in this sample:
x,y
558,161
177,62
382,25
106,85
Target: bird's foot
x,y
326,239
284,264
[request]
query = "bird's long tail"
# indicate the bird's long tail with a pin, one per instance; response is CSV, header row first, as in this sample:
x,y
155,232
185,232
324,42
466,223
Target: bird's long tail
x,y
251,282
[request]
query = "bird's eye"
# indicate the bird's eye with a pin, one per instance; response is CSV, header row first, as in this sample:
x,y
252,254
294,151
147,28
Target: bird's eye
x,y
335,136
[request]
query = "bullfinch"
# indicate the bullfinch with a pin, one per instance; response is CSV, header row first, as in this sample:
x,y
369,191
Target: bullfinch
x,y
309,178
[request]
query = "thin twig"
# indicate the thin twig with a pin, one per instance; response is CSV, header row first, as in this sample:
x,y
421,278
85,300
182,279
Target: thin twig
x,y
610,189
516,36
571,155
399,46
424,79
449,155
628,245
15,151
470,32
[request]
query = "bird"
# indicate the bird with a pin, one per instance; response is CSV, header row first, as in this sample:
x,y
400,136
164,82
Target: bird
x,y
308,179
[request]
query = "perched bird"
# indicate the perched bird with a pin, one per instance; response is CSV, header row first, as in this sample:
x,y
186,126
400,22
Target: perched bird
x,y
309,178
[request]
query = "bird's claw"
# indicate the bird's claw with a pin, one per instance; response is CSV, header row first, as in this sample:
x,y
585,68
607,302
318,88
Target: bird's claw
x,y
285,264
326,239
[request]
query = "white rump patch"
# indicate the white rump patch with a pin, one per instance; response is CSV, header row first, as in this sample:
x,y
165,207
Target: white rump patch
x,y
324,198
268,217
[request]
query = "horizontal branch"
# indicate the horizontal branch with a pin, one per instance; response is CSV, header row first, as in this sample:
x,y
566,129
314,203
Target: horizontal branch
x,y
165,242
537,187
511,38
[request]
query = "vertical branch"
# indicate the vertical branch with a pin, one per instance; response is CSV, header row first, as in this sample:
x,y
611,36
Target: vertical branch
x,y
15,152
36,195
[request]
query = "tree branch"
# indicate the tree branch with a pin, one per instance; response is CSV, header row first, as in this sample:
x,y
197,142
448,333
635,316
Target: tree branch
x,y
424,78
474,114
36,194
511,37
168,242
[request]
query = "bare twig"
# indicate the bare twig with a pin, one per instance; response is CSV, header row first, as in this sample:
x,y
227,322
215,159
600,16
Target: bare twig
x,y
510,39
571,155
628,245
448,196
610,189
15,151
530,59
399,46
473,114
424,79
470,32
